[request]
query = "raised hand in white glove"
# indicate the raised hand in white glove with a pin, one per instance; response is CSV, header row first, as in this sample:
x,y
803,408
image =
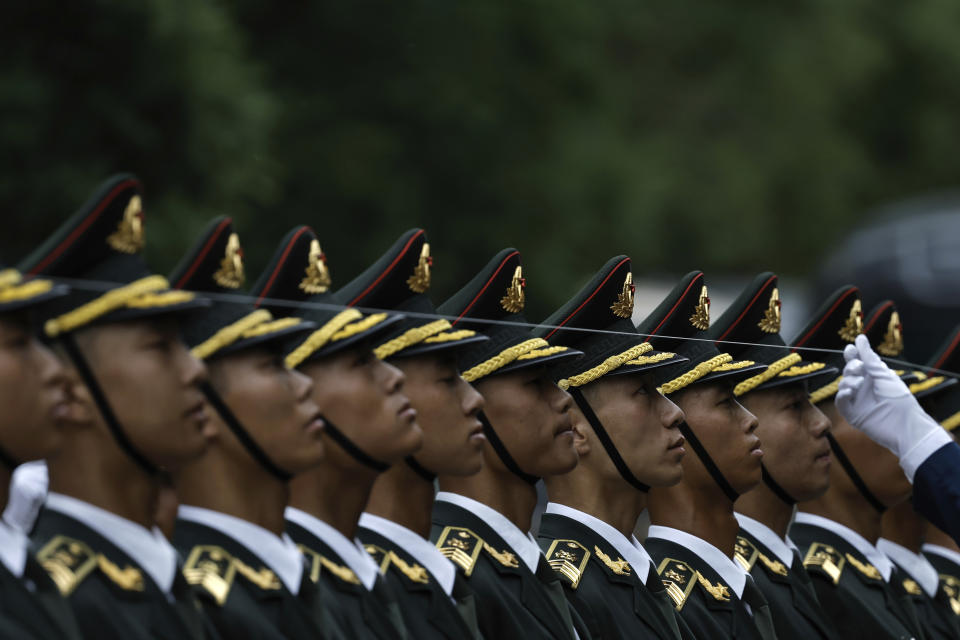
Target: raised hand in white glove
x,y
875,400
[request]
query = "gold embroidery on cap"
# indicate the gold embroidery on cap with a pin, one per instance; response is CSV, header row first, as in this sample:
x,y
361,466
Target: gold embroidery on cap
x,y
514,300
854,323
770,323
623,307
701,315
129,236
230,274
317,278
892,344
419,282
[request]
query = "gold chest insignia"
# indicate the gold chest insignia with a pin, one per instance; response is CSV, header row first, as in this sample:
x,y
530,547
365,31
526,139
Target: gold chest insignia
x,y
313,559
514,300
623,307
262,577
619,566
505,558
68,562
414,572
678,579
317,278
865,568
128,578
129,236
744,553
419,282
853,326
911,587
770,322
343,573
569,559
211,568
380,556
825,559
461,546
718,591
701,314
951,587
774,566
230,274
892,344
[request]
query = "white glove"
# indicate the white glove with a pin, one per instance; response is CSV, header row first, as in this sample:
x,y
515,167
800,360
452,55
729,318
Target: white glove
x,y
875,400
28,491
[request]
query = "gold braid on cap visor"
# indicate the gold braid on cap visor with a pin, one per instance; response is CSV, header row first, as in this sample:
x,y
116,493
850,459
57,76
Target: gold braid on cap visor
x,y
702,369
608,365
11,289
534,347
929,383
337,328
826,391
411,337
230,334
952,422
772,372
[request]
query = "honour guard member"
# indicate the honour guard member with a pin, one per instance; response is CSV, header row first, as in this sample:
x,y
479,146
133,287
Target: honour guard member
x,y
796,466
434,599
369,426
481,522
249,574
135,411
693,530
628,439
837,532
33,396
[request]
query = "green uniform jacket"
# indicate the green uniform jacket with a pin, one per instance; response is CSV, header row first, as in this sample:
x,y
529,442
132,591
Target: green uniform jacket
x,y
861,605
242,596
34,603
936,618
796,612
513,602
612,600
111,596
948,591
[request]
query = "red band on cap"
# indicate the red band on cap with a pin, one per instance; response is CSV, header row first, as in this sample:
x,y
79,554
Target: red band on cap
x,y
203,252
484,288
746,309
590,297
388,269
833,307
276,271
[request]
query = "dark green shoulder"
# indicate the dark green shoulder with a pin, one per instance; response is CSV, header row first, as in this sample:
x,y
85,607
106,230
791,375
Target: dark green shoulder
x,y
824,560
745,553
679,579
212,569
68,561
568,558
461,546
319,563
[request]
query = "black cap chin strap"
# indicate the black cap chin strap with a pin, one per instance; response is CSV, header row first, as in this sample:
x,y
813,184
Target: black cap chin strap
x,y
86,374
778,491
502,452
242,434
420,470
708,462
353,450
854,476
606,441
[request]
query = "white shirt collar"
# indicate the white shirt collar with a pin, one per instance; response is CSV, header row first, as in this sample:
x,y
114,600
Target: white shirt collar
x,y
280,553
874,556
635,555
781,547
147,547
913,564
350,551
520,542
423,551
13,549
945,552
730,572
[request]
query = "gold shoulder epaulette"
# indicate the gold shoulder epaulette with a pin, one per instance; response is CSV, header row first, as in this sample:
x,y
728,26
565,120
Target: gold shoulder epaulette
x,y
380,556
413,572
313,558
745,553
505,558
461,546
718,591
128,578
569,559
341,572
911,587
951,587
211,568
678,578
865,568
68,562
262,577
826,560
619,566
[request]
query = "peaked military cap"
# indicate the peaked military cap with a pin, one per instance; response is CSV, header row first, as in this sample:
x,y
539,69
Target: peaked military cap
x,y
945,406
605,303
215,265
297,283
750,329
17,292
498,293
685,313
399,281
102,243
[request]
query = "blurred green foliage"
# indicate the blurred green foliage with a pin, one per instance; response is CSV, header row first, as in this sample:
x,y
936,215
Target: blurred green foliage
x,y
723,136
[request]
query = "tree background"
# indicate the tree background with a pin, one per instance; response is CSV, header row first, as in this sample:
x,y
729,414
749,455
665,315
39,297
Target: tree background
x,y
732,137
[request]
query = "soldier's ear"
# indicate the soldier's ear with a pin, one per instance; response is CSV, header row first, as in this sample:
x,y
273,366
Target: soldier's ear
x,y
80,408
581,434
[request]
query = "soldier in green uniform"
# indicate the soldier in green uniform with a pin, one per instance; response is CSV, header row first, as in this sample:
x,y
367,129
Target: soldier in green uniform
x,y
135,411
250,576
796,466
856,584
33,395
370,425
482,522
434,599
693,530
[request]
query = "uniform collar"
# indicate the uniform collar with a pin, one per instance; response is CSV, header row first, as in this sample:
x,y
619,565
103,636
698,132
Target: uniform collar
x,y
520,543
861,544
943,552
635,555
781,547
147,547
351,552
279,553
730,572
423,551
13,549
913,564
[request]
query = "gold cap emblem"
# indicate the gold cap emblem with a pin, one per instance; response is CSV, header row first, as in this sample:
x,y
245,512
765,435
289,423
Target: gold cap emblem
x,y
770,323
515,298
853,326
419,282
892,344
701,315
623,307
129,236
317,278
230,274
